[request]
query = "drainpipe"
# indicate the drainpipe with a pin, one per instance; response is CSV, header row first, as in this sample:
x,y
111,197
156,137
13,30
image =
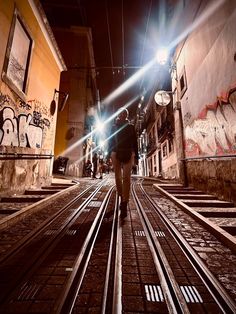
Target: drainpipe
x,y
182,164
181,152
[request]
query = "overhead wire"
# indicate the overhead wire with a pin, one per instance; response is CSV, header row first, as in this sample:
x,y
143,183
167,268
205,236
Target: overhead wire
x,y
109,37
145,38
123,39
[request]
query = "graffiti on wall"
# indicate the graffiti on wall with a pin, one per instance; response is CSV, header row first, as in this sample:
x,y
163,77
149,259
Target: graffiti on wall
x,y
214,132
21,129
39,106
5,100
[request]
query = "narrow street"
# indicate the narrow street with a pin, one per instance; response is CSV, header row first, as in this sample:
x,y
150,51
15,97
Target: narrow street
x,y
117,156
84,257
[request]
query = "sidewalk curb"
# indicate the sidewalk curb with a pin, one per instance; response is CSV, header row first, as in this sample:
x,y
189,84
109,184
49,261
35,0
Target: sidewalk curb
x,y
218,232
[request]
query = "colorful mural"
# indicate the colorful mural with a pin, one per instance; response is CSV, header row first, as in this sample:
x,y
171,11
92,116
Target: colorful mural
x,y
18,128
214,132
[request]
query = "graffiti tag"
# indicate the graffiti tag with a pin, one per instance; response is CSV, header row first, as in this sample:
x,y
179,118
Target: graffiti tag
x,y
24,130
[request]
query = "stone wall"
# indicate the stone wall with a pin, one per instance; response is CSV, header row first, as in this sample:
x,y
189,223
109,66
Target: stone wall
x,y
214,176
170,172
23,168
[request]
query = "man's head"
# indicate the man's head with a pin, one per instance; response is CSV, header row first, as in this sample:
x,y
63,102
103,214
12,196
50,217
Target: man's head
x,y
123,114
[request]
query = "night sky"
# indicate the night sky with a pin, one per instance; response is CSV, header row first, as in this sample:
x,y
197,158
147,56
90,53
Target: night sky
x,y
123,42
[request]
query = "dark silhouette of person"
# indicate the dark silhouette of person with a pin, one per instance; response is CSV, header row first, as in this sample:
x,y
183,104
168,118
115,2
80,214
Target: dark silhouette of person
x,y
123,149
95,164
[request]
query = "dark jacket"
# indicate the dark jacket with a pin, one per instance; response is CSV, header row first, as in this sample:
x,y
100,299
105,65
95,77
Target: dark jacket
x,y
123,138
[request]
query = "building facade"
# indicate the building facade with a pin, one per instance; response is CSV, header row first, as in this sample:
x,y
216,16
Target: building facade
x,y
76,118
204,86
161,146
156,130
30,65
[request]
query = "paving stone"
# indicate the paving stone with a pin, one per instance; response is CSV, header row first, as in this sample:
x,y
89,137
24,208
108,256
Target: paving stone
x,y
218,258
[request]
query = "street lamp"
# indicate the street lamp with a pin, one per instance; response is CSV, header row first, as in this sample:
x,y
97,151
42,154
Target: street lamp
x,y
99,126
162,98
101,143
162,55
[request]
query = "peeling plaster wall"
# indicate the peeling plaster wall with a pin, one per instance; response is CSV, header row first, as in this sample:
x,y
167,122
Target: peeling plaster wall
x,y
209,103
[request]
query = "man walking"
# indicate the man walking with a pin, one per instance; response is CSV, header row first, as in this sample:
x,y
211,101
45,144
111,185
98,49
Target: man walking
x,y
123,149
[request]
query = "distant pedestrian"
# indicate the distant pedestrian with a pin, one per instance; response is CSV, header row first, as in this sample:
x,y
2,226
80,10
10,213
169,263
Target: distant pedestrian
x,y
95,164
123,148
88,168
109,162
100,166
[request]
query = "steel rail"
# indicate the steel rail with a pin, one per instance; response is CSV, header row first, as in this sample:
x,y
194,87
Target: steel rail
x,y
112,249
174,297
117,302
224,301
67,300
41,228
47,247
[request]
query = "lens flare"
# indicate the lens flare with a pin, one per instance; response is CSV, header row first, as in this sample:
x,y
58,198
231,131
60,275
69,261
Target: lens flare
x,y
140,73
202,18
127,84
93,132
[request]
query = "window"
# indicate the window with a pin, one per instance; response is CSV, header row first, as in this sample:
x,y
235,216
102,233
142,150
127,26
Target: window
x,y
164,150
155,160
17,60
170,145
182,83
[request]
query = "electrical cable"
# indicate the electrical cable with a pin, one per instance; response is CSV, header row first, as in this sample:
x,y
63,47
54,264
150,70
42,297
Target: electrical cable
x,y
123,40
109,37
145,38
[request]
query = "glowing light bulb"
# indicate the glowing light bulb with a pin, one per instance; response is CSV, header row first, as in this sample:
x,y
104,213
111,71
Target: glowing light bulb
x,y
162,55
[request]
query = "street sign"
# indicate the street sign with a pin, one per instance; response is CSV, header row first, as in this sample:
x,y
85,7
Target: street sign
x,y
162,98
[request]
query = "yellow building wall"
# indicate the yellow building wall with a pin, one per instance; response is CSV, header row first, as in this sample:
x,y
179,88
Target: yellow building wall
x,y
43,79
61,132
44,73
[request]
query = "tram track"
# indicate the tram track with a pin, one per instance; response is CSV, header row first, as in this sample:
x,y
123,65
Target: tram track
x,y
167,247
85,258
84,270
22,267
174,299
46,223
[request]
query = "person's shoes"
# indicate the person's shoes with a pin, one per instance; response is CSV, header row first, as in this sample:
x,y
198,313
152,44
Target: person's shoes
x,y
100,177
123,209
